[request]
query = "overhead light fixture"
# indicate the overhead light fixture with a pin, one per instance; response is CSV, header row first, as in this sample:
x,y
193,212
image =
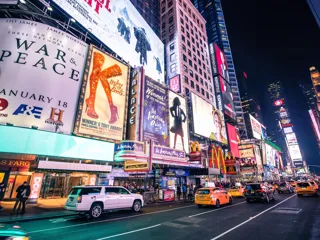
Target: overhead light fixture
x,y
72,20
23,1
49,8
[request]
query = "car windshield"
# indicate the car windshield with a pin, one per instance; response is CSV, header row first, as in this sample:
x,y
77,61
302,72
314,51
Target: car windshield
x,y
203,191
282,185
303,185
253,187
312,183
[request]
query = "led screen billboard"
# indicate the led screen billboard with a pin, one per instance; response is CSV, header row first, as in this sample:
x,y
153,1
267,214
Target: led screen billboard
x,y
294,151
41,70
233,140
315,124
208,121
291,138
255,127
119,25
270,155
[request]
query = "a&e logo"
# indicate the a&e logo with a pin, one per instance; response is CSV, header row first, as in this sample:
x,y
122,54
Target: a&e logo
x,y
29,110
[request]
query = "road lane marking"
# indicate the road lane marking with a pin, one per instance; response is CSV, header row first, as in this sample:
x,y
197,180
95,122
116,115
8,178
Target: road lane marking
x,y
109,220
251,218
126,233
215,210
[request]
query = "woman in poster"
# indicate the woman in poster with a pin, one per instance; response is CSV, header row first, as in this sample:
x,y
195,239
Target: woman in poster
x,y
179,117
218,135
103,75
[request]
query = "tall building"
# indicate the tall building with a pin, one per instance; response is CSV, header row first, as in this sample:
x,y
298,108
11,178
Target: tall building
x,y
251,106
284,134
187,57
315,8
150,11
212,11
315,78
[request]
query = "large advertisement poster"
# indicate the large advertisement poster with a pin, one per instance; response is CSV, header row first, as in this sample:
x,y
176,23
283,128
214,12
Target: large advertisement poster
x,y
222,70
178,124
294,151
103,100
41,71
291,138
155,113
208,121
256,127
270,155
233,140
119,25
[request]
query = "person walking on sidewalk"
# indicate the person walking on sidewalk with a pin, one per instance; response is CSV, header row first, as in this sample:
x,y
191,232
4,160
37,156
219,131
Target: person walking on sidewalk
x,y
23,192
184,192
179,193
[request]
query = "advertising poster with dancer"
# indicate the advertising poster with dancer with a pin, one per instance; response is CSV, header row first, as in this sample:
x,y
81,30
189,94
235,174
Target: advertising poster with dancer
x,y
155,113
103,100
178,125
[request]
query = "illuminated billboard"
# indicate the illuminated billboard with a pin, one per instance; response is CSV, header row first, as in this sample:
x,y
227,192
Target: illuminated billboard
x,y
294,151
119,26
208,121
41,69
315,124
270,155
222,85
291,138
233,140
288,130
256,127
103,102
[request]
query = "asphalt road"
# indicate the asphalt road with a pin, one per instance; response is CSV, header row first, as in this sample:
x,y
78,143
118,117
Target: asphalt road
x,y
289,217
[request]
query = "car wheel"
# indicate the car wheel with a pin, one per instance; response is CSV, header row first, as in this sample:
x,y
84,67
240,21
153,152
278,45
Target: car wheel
x,y
136,207
217,204
248,200
299,195
96,210
199,206
230,200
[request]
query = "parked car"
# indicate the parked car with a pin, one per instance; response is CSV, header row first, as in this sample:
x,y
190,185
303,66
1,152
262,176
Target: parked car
x,y
9,232
305,188
98,199
257,191
285,188
212,196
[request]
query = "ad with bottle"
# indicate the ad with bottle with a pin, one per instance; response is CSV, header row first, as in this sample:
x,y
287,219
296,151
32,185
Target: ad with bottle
x,y
103,99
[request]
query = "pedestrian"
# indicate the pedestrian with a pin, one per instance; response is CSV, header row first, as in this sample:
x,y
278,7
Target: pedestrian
x,y
184,191
191,192
179,193
23,192
2,191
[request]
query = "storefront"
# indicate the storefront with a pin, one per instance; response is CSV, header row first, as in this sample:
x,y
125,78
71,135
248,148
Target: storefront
x,y
51,163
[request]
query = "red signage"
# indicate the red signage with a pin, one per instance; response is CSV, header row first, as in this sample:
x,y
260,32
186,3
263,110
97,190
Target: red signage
x,y
233,140
175,84
278,103
168,195
36,183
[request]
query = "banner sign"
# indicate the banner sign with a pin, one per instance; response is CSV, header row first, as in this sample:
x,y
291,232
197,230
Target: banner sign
x,y
103,100
118,24
135,166
175,84
168,152
178,123
129,146
155,113
195,151
41,75
247,153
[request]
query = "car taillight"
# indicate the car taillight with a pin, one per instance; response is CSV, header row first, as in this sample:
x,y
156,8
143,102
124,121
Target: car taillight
x,y
79,199
245,191
260,190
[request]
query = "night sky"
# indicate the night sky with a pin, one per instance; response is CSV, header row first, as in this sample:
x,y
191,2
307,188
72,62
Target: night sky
x,y
277,40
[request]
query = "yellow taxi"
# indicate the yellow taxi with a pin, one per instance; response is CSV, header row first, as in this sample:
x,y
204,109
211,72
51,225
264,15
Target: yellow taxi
x,y
305,188
315,185
212,196
236,191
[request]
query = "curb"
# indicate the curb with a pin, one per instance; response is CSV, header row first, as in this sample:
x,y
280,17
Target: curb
x,y
27,219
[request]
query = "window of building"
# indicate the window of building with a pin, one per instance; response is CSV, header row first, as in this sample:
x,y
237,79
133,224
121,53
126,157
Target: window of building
x,y
170,4
188,43
186,18
202,91
189,53
184,5
192,39
187,26
194,58
172,57
201,81
191,73
181,20
200,71
163,25
181,13
163,9
171,47
182,29
188,35
206,84
195,67
170,11
186,80
185,68
184,57
197,78
171,37
210,88
171,28
183,38
173,68
190,63
186,91
207,95
205,75
171,19
198,88
192,84
191,24
184,47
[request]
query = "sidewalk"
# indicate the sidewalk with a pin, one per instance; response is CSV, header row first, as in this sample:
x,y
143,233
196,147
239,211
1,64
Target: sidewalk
x,y
54,208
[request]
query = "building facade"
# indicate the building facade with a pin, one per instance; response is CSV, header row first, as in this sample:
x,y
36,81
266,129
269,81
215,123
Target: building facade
x,y
150,11
187,57
212,11
251,106
315,8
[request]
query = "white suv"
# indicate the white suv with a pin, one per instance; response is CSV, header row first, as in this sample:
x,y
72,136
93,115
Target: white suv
x,y
97,199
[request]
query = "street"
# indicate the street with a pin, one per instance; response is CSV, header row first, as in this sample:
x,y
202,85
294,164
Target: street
x,y
289,217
